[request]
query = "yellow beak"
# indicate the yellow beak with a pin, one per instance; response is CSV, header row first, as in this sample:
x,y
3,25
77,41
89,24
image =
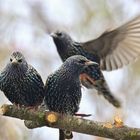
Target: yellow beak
x,y
88,63
14,62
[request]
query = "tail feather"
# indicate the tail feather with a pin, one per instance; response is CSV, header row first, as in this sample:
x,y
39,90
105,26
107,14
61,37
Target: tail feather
x,y
101,86
104,90
65,134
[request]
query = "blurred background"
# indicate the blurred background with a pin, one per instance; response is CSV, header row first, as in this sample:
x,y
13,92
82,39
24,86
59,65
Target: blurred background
x,y
25,26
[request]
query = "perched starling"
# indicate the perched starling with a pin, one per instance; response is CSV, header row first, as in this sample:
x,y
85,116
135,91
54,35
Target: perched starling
x,y
63,90
21,83
112,50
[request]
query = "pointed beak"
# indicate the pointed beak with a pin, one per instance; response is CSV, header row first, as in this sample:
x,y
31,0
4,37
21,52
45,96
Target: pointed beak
x,y
14,62
53,35
89,63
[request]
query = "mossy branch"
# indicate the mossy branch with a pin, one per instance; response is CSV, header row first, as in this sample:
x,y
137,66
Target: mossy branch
x,y
34,119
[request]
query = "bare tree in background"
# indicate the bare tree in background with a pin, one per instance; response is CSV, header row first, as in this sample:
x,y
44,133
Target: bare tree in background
x,y
26,25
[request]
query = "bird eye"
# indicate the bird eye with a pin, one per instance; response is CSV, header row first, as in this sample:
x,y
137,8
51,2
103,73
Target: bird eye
x,y
11,59
59,34
82,61
20,60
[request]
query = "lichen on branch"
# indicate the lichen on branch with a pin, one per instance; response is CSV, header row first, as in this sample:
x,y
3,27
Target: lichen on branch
x,y
34,119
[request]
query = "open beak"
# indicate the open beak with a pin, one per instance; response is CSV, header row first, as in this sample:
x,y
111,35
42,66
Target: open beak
x,y
14,62
89,63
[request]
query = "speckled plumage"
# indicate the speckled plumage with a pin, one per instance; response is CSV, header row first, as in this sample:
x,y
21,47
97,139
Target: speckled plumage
x,y
114,48
91,77
63,90
21,83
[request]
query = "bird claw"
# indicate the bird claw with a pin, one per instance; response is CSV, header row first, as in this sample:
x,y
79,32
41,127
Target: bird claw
x,y
17,105
32,108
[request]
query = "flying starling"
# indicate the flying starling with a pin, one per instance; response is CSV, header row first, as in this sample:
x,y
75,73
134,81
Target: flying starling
x,y
21,83
63,90
112,50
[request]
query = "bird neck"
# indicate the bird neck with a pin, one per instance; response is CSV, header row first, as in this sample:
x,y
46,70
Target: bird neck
x,y
70,71
64,49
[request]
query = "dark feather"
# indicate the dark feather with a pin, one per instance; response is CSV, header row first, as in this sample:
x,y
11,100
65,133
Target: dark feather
x,y
91,75
21,83
63,90
116,44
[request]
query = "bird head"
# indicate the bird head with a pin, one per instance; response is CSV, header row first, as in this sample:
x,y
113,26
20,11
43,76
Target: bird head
x,y
77,63
17,64
61,39
17,59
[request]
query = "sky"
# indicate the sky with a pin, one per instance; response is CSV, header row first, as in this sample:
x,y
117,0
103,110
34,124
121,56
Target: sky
x,y
25,25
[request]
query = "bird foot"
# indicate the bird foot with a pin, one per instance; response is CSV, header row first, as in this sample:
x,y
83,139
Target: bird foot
x,y
32,108
17,105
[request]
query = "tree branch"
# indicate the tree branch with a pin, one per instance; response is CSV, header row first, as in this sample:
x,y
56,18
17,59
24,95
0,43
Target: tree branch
x,y
34,119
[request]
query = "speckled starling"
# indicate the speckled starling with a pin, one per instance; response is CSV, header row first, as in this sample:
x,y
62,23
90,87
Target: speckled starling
x,y
21,83
112,50
63,90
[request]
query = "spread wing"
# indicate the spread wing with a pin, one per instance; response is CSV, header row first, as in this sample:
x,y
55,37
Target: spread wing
x,y
118,47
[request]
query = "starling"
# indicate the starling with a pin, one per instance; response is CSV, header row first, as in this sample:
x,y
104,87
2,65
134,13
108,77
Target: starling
x,y
63,90
112,50
21,83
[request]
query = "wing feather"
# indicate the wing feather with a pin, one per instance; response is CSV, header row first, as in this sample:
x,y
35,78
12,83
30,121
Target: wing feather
x,y
118,47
